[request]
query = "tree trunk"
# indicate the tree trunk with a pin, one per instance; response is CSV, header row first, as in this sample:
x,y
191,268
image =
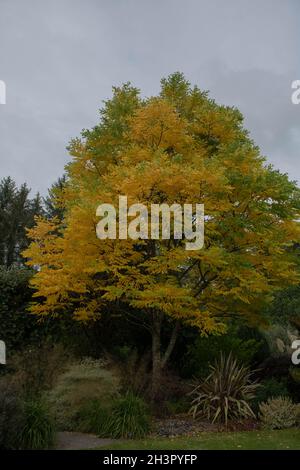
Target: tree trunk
x,y
159,361
156,355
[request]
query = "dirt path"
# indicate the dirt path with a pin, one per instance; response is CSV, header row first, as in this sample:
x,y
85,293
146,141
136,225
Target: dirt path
x,y
77,441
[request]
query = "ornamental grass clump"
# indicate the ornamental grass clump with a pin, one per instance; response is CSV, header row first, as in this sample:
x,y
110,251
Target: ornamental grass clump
x,y
225,394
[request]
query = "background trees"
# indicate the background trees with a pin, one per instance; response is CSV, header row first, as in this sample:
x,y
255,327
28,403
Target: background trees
x,y
17,212
15,295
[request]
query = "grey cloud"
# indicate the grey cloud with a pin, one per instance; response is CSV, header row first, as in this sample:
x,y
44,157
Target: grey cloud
x,y
60,58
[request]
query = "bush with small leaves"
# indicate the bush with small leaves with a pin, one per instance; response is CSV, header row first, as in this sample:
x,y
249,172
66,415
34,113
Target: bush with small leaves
x,y
278,413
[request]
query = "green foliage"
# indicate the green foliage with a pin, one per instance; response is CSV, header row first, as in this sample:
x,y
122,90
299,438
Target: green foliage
x,y
125,417
226,392
38,431
278,413
16,324
285,306
295,374
23,424
18,327
246,347
17,213
52,202
177,406
270,388
107,137
129,418
11,416
95,418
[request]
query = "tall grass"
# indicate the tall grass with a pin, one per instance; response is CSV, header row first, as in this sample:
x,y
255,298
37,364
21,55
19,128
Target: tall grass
x,y
130,418
38,431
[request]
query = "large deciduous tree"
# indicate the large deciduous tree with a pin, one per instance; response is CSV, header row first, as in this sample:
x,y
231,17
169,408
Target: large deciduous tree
x,y
179,147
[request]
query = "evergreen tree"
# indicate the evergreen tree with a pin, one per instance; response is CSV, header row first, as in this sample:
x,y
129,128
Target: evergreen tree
x,y
17,212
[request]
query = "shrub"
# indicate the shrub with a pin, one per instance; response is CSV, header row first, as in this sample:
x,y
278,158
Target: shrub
x,y
226,392
36,368
295,374
11,416
205,350
270,388
94,418
278,413
129,418
177,406
134,371
15,294
38,430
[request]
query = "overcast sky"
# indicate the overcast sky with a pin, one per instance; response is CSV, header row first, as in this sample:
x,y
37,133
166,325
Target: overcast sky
x,y
60,58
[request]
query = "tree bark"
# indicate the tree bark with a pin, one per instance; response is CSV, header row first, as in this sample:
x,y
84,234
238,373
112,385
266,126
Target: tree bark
x,y
156,355
160,360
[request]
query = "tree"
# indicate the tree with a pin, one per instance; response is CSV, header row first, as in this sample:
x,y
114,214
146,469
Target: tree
x,y
284,310
17,212
53,205
179,147
15,295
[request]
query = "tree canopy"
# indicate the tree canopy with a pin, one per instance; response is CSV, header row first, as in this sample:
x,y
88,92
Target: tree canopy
x,y
177,147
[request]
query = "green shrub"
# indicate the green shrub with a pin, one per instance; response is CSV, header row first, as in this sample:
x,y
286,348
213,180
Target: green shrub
x,y
226,392
206,350
129,418
177,406
38,430
278,413
15,294
270,388
94,418
11,416
295,374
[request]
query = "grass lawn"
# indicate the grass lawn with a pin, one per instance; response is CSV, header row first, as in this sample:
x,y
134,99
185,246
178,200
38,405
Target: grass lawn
x,y
251,440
